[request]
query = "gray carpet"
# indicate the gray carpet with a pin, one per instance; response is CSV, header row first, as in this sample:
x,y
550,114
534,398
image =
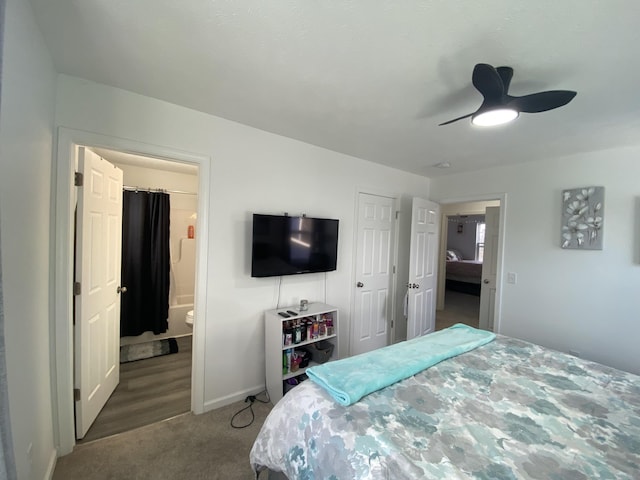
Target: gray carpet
x,y
185,447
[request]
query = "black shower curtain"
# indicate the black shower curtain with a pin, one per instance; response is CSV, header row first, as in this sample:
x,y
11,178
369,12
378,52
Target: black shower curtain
x,y
145,263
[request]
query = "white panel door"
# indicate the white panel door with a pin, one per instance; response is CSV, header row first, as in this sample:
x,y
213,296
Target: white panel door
x,y
425,217
97,316
372,307
489,268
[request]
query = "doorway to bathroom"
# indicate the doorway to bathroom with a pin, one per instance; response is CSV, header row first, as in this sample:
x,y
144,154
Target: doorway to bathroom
x,y
159,226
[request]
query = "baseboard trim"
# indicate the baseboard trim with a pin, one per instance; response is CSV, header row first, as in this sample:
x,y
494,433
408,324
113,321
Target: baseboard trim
x,y
52,464
234,397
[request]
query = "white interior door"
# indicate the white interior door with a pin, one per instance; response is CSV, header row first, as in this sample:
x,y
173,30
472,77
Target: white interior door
x,y
97,315
374,263
489,268
422,285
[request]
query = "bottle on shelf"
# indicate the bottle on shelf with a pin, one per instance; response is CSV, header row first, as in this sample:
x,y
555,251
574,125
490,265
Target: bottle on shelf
x,y
289,355
309,327
288,333
330,329
297,333
303,330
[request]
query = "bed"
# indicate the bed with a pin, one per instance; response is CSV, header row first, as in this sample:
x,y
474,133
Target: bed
x,y
463,275
505,410
468,271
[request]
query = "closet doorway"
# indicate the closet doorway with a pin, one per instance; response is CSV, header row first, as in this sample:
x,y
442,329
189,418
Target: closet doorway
x,y
160,203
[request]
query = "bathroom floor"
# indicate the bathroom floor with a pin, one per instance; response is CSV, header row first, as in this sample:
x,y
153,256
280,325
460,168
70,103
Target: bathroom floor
x,y
150,391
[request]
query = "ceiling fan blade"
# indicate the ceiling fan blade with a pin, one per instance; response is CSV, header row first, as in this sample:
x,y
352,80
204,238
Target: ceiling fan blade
x,y
456,119
506,73
541,102
488,82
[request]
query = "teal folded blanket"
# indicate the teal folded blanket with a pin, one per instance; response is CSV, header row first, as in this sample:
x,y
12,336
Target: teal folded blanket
x,y
350,379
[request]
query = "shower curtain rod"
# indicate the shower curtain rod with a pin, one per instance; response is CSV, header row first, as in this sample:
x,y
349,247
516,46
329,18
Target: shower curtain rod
x,y
162,190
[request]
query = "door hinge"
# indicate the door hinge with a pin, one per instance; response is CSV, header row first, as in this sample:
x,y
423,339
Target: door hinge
x,y
78,179
397,214
394,269
77,288
76,394
391,323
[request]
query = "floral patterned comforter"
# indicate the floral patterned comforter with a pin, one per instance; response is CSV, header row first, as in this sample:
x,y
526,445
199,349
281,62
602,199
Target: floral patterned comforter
x,y
506,410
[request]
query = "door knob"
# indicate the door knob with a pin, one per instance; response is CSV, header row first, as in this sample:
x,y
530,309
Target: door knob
x,y
359,284
486,280
122,289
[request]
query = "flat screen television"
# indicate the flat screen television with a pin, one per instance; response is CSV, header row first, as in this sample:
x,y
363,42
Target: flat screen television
x,y
283,245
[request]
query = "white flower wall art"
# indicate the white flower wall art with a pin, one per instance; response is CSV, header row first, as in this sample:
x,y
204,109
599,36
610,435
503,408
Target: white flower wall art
x,y
582,218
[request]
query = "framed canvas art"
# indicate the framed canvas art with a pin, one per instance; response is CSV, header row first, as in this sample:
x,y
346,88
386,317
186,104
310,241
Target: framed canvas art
x,y
582,218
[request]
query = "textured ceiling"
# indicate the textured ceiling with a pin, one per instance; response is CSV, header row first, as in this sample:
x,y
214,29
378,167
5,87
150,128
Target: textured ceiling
x,y
370,79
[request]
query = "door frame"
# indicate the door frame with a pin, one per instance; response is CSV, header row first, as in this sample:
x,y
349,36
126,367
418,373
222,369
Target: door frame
x,y
502,198
444,236
62,228
394,260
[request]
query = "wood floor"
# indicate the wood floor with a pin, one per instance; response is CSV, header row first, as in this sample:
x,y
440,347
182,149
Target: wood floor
x,y
459,308
150,390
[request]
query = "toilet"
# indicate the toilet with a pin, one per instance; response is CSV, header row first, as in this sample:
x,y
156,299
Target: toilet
x,y
189,318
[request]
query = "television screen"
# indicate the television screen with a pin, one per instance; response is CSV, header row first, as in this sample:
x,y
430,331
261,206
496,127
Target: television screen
x,y
283,245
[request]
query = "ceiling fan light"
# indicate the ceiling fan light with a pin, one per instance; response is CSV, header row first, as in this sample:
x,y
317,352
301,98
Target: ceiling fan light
x,y
494,117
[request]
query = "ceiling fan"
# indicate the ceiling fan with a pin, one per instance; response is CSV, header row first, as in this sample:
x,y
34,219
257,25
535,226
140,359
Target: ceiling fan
x,y
498,106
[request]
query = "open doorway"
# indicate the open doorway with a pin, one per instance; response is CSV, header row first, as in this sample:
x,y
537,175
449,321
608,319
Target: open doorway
x,y
158,224
468,264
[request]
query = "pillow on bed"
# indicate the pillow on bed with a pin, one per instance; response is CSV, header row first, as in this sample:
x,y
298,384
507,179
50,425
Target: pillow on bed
x,y
453,256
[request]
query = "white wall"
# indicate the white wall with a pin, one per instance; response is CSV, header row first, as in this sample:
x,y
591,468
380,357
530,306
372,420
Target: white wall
x,y
468,208
463,241
585,301
26,121
252,171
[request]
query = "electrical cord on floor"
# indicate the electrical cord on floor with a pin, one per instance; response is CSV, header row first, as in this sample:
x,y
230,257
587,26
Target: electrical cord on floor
x,y
251,399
